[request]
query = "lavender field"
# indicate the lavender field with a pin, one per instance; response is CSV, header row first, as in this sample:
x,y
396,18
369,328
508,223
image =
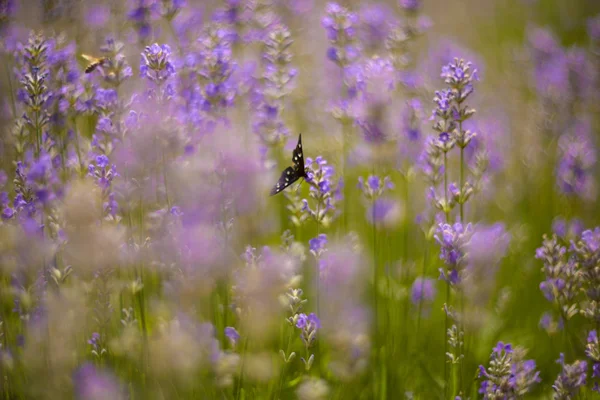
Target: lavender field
x,y
299,199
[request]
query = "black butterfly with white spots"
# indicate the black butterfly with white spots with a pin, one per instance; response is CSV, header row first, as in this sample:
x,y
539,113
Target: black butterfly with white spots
x,y
291,174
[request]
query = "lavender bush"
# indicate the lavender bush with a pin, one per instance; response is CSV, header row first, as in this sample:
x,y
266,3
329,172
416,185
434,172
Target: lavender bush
x,y
447,205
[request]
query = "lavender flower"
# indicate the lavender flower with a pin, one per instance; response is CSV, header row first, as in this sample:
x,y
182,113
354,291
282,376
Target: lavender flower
x,y
378,209
277,82
92,384
384,212
431,162
97,15
567,230
562,278
423,291
340,26
374,26
232,335
156,63
308,325
453,240
586,251
35,93
141,14
459,76
215,69
410,5
317,245
593,28
577,161
410,140
570,379
323,191
375,186
592,350
102,171
98,349
7,9
115,70
508,376
169,9
371,84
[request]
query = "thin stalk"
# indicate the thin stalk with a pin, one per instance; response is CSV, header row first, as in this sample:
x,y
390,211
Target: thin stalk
x,y
463,348
241,380
77,147
13,104
462,182
38,139
461,294
283,370
164,171
375,269
343,165
423,274
407,216
446,209
446,323
317,272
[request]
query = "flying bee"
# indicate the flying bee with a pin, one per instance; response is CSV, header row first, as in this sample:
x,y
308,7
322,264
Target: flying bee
x,y
93,62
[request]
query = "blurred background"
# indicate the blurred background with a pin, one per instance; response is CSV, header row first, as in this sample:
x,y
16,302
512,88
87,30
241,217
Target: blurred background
x,y
141,255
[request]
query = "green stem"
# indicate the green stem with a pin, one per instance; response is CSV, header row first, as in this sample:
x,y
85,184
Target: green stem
x,y
38,139
423,274
446,323
164,170
241,380
343,166
461,294
375,270
462,182
446,208
287,350
11,90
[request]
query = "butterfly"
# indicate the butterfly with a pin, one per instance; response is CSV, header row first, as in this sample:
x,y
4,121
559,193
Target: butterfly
x,y
291,174
94,62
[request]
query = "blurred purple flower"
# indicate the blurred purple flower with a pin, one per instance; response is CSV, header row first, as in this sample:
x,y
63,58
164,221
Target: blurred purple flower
x,y
97,15
567,230
232,335
215,68
375,26
593,27
574,172
340,26
141,14
423,291
384,212
94,384
317,244
410,5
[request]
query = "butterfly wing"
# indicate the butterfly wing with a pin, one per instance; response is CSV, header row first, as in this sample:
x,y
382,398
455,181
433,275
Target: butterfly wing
x,y
298,157
288,176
